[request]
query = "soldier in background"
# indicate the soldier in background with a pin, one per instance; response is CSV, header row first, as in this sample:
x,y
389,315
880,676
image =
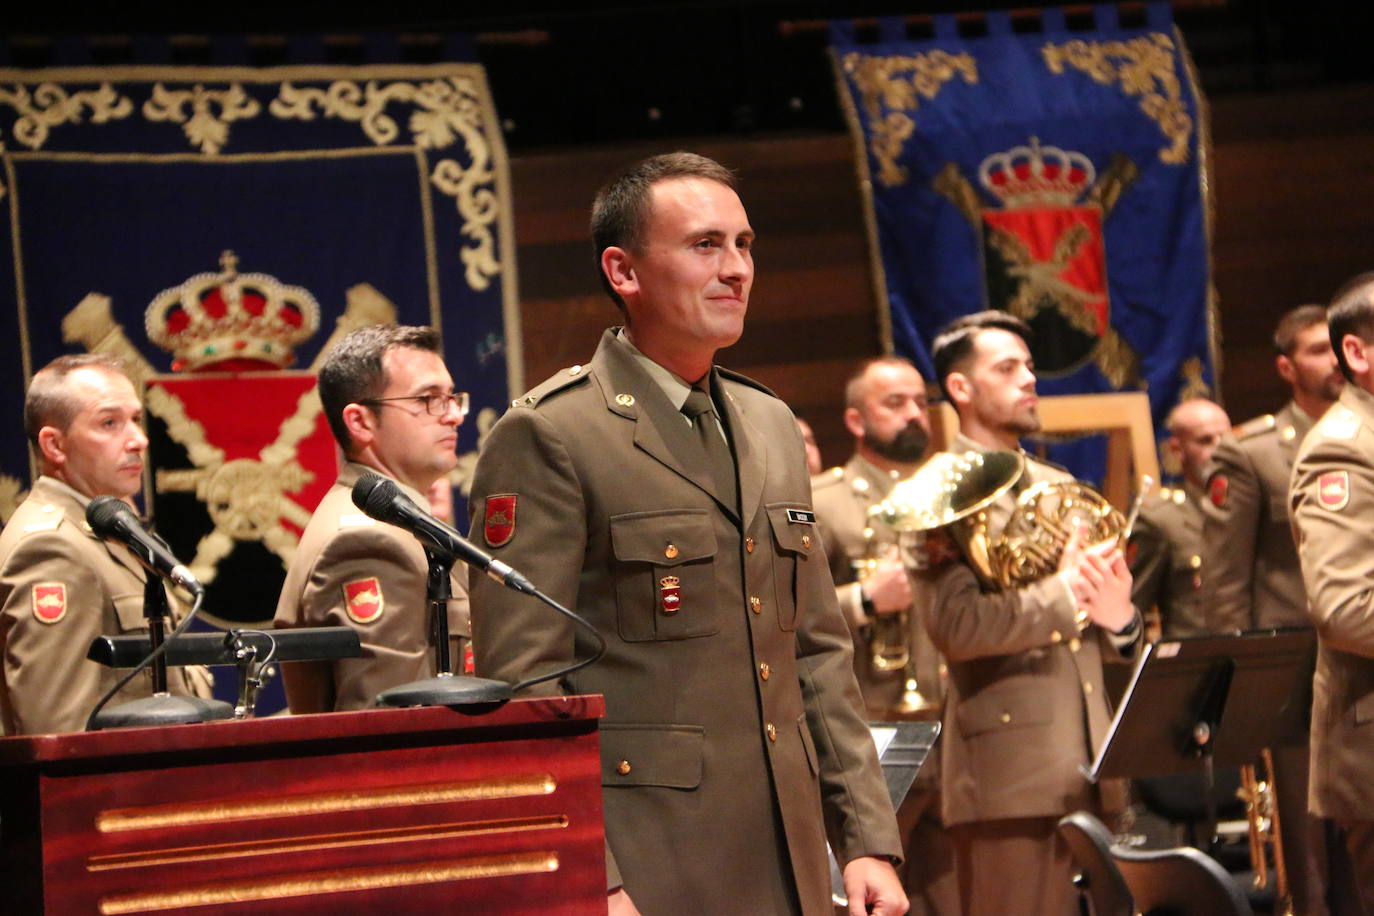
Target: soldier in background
x,y
1254,580
60,585
1165,552
885,411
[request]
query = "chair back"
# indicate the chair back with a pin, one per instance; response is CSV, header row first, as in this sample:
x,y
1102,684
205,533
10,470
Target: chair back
x,y
1102,889
1180,882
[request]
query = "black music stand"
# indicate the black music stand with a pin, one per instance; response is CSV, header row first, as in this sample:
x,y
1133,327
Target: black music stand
x,y
1175,718
903,749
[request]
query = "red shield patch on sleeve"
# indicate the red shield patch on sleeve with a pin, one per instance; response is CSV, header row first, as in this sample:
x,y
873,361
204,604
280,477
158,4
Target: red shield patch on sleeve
x,y
1333,490
49,601
498,522
363,599
1217,489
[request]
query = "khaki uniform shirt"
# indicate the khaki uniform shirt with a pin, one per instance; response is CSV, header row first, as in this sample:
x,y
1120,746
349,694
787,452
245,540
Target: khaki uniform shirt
x,y
1252,578
843,497
732,716
1165,555
60,588
352,571
1025,707
1332,501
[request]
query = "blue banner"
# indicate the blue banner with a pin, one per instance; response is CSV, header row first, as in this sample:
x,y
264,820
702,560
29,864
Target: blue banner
x,y
1058,175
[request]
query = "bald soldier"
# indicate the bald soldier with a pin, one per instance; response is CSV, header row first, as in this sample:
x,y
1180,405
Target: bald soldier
x,y
1253,580
391,405
1165,552
886,413
1332,501
60,585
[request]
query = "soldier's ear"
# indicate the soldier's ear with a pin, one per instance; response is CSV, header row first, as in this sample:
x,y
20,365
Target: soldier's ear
x,y
1285,368
361,423
1356,352
854,422
619,270
960,389
52,444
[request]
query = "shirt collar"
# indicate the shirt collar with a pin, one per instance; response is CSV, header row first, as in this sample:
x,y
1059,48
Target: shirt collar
x,y
674,387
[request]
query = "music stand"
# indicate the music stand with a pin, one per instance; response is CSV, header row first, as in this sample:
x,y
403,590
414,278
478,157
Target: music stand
x,y
1174,716
903,748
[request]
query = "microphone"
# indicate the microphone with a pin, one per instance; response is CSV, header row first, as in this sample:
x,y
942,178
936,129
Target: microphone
x,y
113,520
383,500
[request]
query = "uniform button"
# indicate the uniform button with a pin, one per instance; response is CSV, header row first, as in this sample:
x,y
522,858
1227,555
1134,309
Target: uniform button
x,y
772,731
1074,644
1006,717
1056,636
1087,688
755,605
623,768
1195,561
806,541
670,551
748,545
574,370
764,671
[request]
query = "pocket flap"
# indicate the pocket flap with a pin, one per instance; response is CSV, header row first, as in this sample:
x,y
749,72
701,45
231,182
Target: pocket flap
x,y
794,527
129,612
652,755
665,538
1002,709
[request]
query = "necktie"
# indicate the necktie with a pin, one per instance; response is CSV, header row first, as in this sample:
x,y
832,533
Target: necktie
x,y
702,413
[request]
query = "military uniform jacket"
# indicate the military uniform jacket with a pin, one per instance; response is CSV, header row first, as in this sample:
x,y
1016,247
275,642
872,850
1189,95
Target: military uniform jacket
x,y
352,571
1024,704
732,715
843,497
1165,556
1252,578
1332,499
60,588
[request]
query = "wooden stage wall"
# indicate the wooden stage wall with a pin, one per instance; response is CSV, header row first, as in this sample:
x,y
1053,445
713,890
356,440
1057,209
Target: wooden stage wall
x,y
1293,191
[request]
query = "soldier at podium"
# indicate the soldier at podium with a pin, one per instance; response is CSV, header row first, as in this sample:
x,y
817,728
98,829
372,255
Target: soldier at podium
x,y
391,405
897,666
60,585
668,501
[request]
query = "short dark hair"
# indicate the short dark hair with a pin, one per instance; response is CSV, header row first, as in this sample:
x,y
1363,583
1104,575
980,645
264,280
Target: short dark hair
x,y
854,387
49,402
1293,323
954,344
353,370
620,210
1351,312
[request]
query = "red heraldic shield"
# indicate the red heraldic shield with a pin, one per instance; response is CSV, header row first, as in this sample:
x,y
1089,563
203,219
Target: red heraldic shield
x,y
50,601
363,599
239,463
670,594
1048,265
498,522
1333,490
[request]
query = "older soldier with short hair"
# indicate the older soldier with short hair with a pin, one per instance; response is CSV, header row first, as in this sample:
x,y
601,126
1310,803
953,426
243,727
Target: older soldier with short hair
x,y
60,585
392,408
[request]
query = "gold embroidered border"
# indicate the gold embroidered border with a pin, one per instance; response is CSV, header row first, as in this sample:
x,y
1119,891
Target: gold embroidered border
x,y
1143,67
891,88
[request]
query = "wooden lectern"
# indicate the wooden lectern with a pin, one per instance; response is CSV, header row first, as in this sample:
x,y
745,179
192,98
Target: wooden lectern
x,y
433,810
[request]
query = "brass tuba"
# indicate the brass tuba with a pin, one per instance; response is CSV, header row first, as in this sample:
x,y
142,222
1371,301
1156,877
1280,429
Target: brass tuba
x,y
958,488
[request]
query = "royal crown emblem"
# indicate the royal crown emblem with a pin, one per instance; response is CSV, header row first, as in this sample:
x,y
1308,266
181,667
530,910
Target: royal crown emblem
x,y
1037,175
231,321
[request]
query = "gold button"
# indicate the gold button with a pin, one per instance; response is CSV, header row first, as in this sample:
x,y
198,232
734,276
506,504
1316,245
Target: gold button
x,y
1195,561
1074,644
1006,717
623,768
806,541
755,605
515,403
772,731
1056,636
1087,688
764,670
625,400
574,370
748,545
670,551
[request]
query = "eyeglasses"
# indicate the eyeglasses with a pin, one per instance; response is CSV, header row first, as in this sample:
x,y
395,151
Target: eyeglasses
x,y
436,405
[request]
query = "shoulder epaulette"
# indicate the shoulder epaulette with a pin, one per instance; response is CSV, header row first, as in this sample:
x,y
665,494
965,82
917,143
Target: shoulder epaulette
x,y
355,520
827,478
1256,426
745,380
1340,422
559,381
43,524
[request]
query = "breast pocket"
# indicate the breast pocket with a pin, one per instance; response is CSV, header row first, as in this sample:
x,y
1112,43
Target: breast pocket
x,y
129,613
795,541
665,584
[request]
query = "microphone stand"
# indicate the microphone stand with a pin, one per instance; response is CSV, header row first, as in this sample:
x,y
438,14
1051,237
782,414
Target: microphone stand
x,y
446,688
161,708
